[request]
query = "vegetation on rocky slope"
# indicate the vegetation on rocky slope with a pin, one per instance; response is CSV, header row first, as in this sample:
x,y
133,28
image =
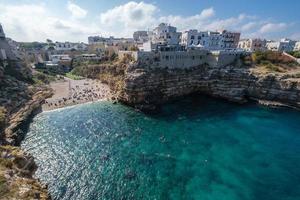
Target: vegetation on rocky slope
x,y
20,94
296,54
271,61
110,72
16,170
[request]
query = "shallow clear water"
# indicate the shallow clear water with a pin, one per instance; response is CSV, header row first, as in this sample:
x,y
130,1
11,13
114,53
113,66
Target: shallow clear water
x,y
195,148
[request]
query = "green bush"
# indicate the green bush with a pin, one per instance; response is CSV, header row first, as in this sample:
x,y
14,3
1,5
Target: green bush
x,y
40,78
73,76
296,54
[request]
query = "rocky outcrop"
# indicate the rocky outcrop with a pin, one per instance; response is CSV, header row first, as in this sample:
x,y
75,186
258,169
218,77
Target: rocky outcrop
x,y
16,171
14,134
145,87
19,99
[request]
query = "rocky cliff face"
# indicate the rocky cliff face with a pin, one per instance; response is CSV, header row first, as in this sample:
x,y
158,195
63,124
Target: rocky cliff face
x,y
19,99
16,171
147,87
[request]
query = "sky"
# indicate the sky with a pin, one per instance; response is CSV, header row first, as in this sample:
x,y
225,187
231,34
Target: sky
x,y
75,20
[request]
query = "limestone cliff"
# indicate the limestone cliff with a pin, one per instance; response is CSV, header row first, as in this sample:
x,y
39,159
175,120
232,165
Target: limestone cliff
x,y
19,99
145,87
16,170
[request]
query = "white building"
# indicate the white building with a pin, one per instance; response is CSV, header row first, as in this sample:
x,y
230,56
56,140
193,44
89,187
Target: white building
x,y
116,44
55,59
193,38
147,46
282,45
162,36
297,46
68,46
110,41
210,40
230,40
165,34
87,57
101,40
255,44
140,36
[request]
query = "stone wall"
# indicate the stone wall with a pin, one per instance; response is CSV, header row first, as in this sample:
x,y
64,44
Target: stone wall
x,y
169,59
182,59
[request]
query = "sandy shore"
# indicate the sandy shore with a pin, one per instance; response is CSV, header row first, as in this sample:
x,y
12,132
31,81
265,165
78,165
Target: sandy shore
x,y
70,92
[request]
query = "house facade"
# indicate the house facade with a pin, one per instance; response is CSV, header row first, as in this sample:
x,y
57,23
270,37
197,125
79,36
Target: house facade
x,y
297,46
252,45
140,36
165,34
68,46
210,40
282,45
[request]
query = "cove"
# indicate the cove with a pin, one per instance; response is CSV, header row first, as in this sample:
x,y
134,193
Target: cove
x,y
194,148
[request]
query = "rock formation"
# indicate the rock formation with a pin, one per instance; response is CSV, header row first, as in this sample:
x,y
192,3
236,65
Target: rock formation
x,y
16,181
146,87
19,99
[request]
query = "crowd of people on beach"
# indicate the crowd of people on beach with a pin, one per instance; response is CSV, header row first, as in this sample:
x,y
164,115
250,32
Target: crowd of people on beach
x,y
79,93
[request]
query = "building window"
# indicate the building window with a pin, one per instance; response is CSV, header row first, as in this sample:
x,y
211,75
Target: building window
x,y
192,37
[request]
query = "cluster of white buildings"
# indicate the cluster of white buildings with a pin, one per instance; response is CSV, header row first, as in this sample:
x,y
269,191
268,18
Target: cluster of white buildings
x,y
110,41
167,36
257,44
66,46
282,45
210,40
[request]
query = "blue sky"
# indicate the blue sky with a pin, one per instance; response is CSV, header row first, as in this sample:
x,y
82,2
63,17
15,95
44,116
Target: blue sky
x,y
75,20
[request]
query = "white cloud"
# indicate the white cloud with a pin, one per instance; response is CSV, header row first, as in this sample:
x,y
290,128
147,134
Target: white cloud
x,y
206,13
272,27
35,22
77,11
232,23
131,14
249,26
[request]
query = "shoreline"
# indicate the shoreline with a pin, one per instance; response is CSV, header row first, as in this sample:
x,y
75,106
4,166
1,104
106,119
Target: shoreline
x,y
70,92
71,106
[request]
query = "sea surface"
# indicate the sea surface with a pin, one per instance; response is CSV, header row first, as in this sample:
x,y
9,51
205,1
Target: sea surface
x,y
194,148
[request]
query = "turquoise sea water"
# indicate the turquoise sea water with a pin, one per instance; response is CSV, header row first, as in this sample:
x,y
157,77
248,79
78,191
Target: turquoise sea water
x,y
194,148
